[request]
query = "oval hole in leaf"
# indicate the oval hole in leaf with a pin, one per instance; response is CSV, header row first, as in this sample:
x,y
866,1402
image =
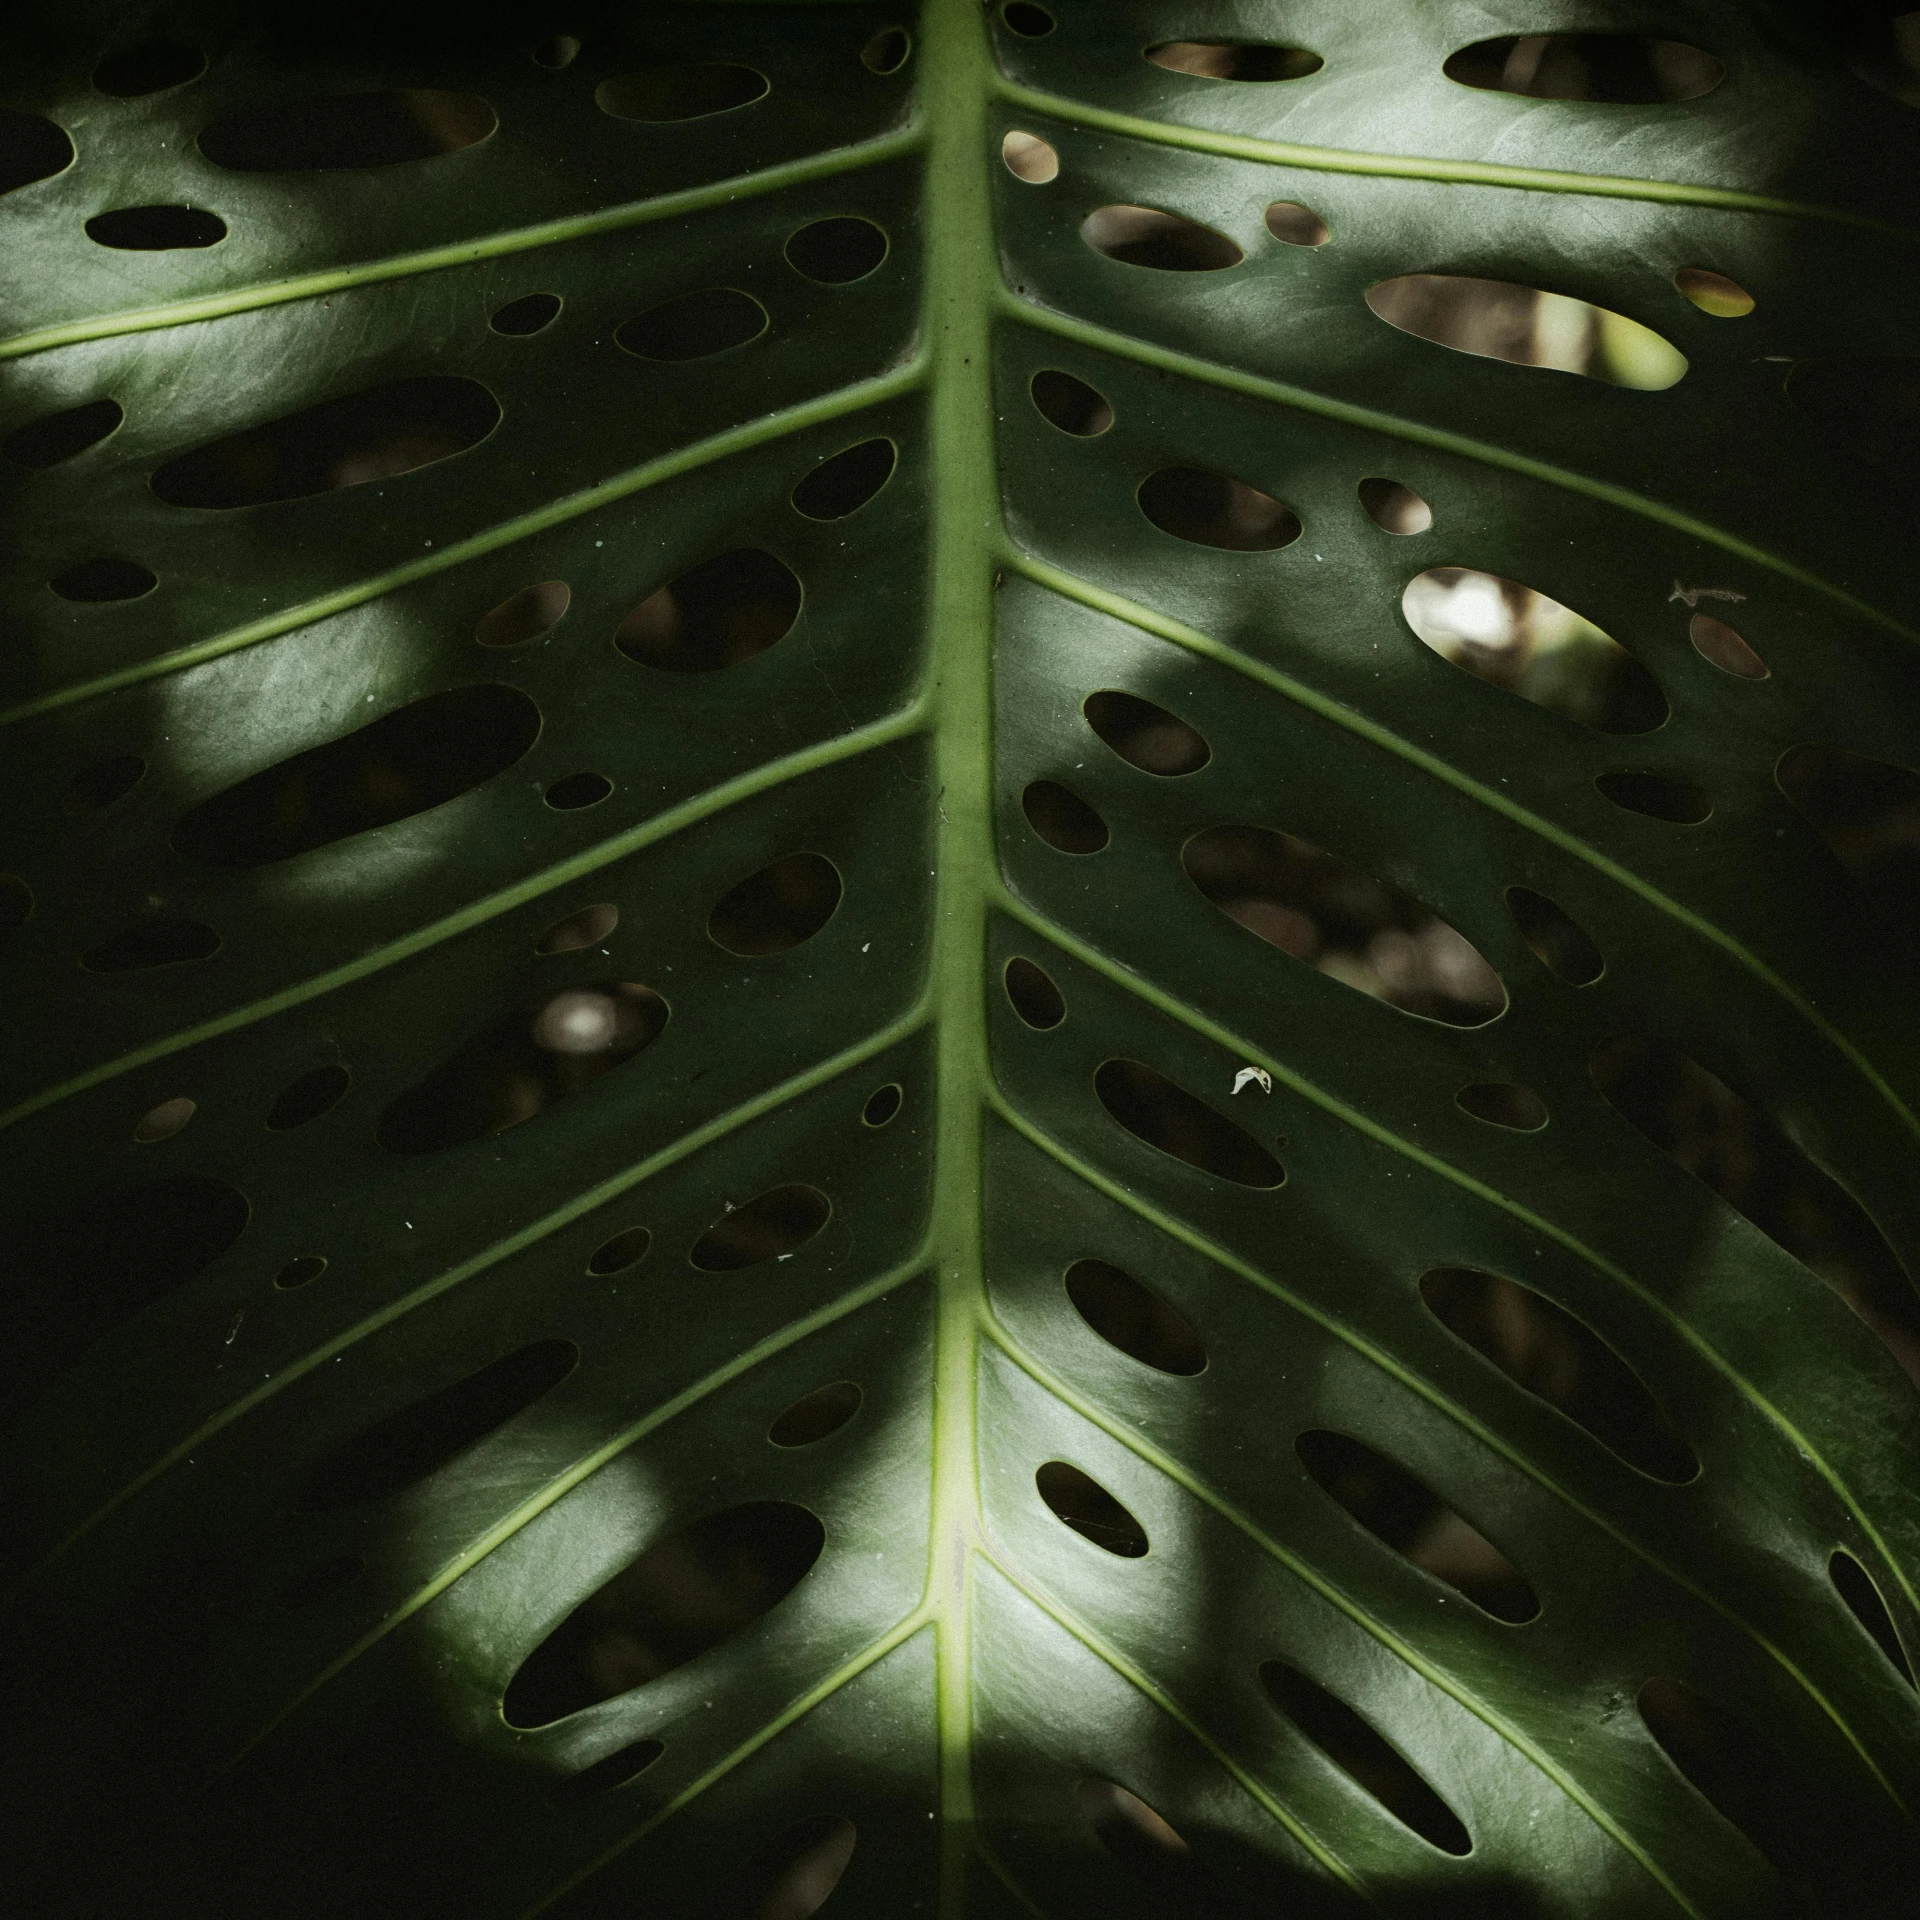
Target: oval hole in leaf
x,y
845,483
1070,404
686,1593
349,130
308,1097
1868,813
825,1410
1500,1103
887,51
31,148
1296,226
1166,242
1732,1148
785,903
1413,1520
769,1227
1033,995
626,1249
1526,327
719,614
1027,157
407,1446
153,943
405,763
1721,645
1856,1587
165,1120
1215,510
1553,938
525,615
561,50
694,326
313,1584
615,1770
377,434
1714,293
77,1279
94,582
1235,60
301,1271
1062,819
662,94
1740,1773
792,1878
1133,1318
1512,637
62,436
1657,795
1026,19
156,229
101,784
882,1104
1364,1756
1134,1834
527,315
586,928
1547,1352
836,251
523,1065
1090,1510
1167,1117
1617,69
573,791
1394,508
16,904
1144,735
1350,926
1867,406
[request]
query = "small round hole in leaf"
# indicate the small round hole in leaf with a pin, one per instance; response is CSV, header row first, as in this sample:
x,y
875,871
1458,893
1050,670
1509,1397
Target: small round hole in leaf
x,y
1062,819
1134,1318
525,615
62,436
887,51
94,582
1070,404
1145,735
825,1410
307,1098
1394,508
1714,293
837,251
846,482
1034,996
1027,20
785,903
625,1249
1086,1506
693,326
1500,1103
527,315
1027,157
719,614
1215,510
1554,939
156,229
559,50
1297,226
882,1104
576,790
1171,1120
1165,242
660,95
301,1271
1657,795
1724,647
769,1227
586,928
165,1120
101,784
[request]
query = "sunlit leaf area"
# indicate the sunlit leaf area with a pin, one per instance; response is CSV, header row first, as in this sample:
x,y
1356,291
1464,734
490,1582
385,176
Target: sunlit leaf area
x,y
960,960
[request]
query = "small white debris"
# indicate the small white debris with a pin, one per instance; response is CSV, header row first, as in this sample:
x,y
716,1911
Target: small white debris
x,y
1694,595
865,944
1253,1076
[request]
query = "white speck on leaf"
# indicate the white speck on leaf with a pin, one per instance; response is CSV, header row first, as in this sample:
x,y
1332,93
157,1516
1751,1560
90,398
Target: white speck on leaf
x,y
1253,1076
1694,595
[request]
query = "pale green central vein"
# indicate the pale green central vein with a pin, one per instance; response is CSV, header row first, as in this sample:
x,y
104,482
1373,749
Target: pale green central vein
x,y
660,827
572,506
1304,1571
530,1509
1071,587
460,253
1127,346
706,1135
1105,1651
1470,173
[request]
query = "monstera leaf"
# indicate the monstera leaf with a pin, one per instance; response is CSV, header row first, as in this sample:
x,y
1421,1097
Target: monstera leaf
x,y
960,961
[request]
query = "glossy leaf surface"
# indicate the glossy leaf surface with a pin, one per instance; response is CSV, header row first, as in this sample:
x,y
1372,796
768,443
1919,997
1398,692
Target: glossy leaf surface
x,y
865,701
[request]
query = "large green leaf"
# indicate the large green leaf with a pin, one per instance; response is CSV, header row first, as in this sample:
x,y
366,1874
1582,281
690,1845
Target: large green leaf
x,y
274,1567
